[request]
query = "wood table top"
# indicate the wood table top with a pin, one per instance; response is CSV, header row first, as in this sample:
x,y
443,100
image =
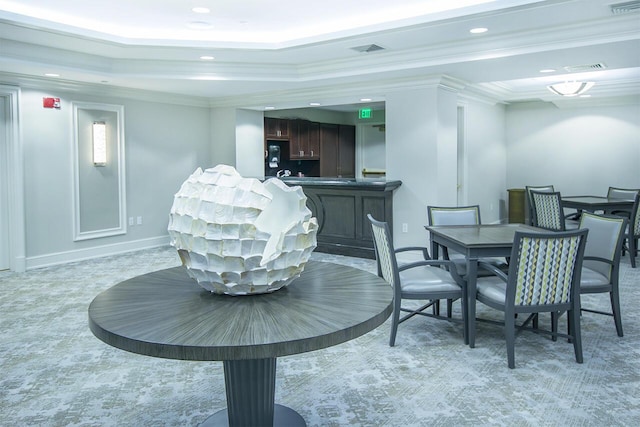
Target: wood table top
x,y
485,235
167,314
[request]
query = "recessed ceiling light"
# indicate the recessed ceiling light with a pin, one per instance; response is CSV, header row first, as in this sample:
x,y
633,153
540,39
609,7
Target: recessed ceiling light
x,y
269,107
199,25
200,9
52,75
207,57
548,70
365,99
478,30
315,104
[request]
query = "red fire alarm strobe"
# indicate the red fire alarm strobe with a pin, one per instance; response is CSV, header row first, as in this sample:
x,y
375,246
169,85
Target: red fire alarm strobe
x,y
51,102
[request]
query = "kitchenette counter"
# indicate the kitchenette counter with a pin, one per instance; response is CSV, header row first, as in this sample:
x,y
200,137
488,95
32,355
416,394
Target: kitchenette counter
x,y
371,183
341,206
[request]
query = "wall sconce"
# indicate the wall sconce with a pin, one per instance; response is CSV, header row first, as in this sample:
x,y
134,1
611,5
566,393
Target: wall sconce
x,y
99,144
570,88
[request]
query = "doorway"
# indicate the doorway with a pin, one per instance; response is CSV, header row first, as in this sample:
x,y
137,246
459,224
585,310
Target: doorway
x,y
461,190
5,262
12,219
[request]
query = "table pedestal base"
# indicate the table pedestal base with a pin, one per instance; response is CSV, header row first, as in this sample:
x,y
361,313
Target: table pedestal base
x,y
250,387
282,416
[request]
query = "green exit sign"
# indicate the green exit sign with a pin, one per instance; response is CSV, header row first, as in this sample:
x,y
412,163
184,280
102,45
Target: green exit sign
x,y
364,113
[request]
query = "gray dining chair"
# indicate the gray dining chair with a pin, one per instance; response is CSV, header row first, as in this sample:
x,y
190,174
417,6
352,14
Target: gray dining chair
x,y
548,213
458,215
420,280
544,276
632,234
622,193
601,265
529,189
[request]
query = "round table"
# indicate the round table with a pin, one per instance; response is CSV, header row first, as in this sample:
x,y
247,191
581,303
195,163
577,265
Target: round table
x,y
167,314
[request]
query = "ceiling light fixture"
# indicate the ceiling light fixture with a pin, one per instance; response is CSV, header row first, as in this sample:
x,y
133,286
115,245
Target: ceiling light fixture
x,y
314,104
478,30
365,99
207,57
548,70
52,75
570,88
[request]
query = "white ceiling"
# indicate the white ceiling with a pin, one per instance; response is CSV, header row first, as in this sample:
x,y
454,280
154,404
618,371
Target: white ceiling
x,y
292,52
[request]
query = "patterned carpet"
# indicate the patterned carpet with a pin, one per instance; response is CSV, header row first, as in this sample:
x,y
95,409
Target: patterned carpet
x,y
56,373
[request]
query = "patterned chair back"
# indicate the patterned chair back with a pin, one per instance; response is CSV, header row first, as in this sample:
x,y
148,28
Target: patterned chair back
x,y
547,210
634,228
385,257
545,268
528,190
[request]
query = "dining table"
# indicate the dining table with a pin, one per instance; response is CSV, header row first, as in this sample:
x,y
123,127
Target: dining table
x,y
474,242
597,203
167,314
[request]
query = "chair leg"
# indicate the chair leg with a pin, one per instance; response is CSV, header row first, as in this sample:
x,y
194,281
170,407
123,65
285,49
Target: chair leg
x,y
395,319
554,325
510,336
449,307
633,250
574,331
436,308
615,308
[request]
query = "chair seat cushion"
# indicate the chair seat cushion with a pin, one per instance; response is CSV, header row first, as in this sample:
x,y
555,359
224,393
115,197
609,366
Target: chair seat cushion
x,y
492,288
592,279
461,265
428,279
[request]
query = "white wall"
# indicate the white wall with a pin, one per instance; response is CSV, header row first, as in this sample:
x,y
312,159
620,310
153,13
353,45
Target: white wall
x,y
486,160
164,143
250,143
223,136
580,150
420,152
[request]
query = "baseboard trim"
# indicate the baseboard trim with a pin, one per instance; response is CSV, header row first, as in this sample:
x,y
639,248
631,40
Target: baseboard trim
x,y
58,258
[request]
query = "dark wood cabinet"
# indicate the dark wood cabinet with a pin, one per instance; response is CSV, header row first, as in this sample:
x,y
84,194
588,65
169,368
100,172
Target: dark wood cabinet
x,y
277,129
347,151
338,150
341,208
304,143
333,145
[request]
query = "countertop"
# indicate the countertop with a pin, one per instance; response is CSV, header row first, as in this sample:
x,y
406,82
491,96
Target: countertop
x,y
362,183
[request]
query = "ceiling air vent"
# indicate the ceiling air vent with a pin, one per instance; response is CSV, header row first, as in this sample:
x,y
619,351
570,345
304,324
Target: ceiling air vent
x,y
588,67
367,48
626,7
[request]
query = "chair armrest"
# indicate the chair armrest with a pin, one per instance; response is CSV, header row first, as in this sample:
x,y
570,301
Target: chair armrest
x,y
424,250
595,258
492,269
450,266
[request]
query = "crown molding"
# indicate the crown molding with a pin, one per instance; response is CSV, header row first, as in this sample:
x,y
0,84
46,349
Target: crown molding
x,y
48,85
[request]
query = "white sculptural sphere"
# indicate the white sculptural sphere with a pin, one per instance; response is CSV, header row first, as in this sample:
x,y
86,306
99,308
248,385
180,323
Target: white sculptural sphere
x,y
239,236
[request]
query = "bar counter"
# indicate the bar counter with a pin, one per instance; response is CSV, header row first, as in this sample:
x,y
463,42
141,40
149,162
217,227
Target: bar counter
x,y
341,206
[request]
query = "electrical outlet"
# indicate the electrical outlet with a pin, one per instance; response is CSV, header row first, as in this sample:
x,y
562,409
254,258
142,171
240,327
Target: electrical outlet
x,y
139,220
405,227
131,220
